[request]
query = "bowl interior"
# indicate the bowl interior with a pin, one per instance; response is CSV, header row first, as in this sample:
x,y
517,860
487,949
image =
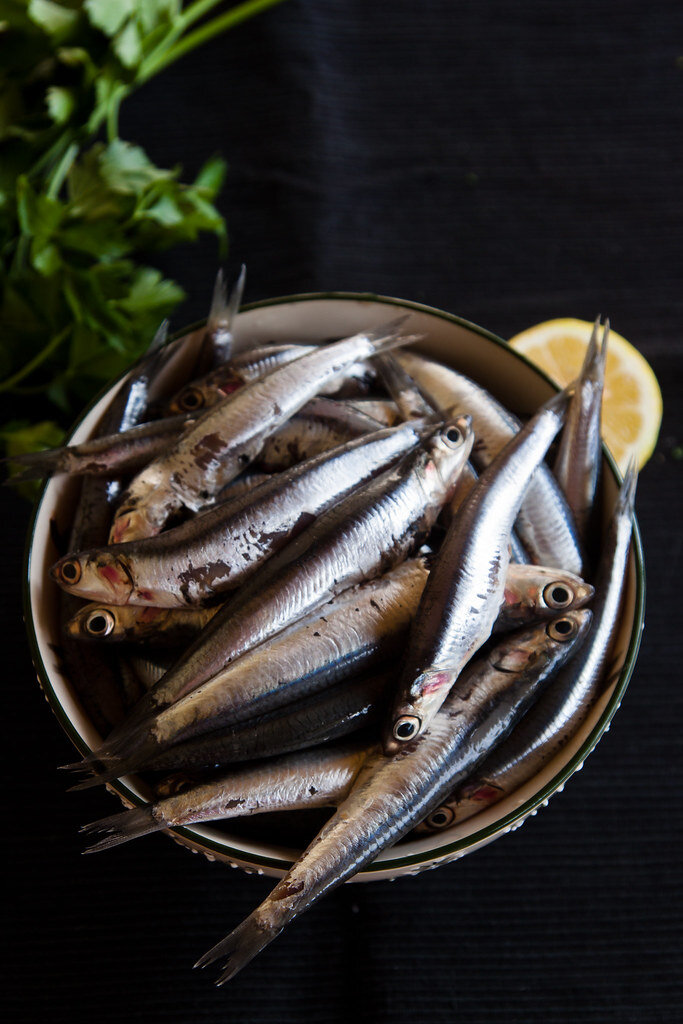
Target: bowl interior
x,y
517,384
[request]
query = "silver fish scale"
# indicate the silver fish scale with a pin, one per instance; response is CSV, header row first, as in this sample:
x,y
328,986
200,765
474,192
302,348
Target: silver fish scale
x,y
303,658
367,533
229,435
545,524
463,594
288,785
561,710
250,414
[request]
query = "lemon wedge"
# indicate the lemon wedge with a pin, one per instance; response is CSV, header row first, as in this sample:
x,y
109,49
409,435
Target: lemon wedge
x,y
632,400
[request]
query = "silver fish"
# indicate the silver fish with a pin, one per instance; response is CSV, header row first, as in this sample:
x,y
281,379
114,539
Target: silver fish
x,y
465,588
230,435
466,482
364,627
371,530
220,548
135,624
545,525
252,365
391,794
110,455
98,681
321,425
563,708
345,708
299,781
577,463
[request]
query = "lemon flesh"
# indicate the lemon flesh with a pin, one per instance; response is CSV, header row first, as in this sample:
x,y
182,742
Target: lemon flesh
x,y
632,400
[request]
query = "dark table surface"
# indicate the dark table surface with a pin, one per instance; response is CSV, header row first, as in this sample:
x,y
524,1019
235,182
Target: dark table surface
x,y
510,163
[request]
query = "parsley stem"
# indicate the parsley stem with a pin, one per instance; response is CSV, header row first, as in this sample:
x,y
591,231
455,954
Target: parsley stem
x,y
113,112
161,58
60,171
33,364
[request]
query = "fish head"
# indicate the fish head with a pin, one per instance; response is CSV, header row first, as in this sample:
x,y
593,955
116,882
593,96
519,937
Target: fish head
x,y
466,801
545,591
449,448
544,647
94,622
409,719
97,575
201,395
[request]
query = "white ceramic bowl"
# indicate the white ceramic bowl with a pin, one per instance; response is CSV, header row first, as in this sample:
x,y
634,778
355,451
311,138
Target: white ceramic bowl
x,y
515,382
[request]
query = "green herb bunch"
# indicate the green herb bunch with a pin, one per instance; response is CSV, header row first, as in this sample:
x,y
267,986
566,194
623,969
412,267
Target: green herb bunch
x,y
80,208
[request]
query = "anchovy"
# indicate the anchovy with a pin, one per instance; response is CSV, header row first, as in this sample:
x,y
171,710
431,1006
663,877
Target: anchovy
x,y
465,588
135,624
220,548
466,482
344,708
562,709
321,425
409,400
382,410
111,455
320,777
577,463
532,592
230,435
391,794
545,524
371,530
202,393
252,365
537,592
361,629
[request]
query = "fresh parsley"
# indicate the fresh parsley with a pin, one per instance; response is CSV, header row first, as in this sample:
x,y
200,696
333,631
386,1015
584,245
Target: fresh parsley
x,y
79,205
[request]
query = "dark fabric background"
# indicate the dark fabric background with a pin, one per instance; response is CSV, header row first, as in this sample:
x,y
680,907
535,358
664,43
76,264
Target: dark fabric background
x,y
509,162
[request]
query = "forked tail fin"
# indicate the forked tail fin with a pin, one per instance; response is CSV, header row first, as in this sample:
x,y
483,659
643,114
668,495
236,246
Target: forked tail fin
x,y
119,828
240,946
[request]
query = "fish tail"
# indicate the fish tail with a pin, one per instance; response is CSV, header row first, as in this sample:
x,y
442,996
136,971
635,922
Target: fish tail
x,y
235,301
603,349
119,828
593,348
100,775
627,493
36,465
403,389
593,368
223,308
159,339
388,341
240,946
117,757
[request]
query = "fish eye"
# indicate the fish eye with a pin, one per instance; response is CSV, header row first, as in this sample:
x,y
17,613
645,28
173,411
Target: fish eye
x,y
453,437
561,629
557,595
191,399
100,622
442,817
70,571
406,727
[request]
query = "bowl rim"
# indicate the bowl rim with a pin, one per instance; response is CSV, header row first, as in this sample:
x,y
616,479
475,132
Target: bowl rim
x,y
434,855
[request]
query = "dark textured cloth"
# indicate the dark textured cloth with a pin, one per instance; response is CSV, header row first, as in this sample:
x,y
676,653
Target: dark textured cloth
x,y
509,162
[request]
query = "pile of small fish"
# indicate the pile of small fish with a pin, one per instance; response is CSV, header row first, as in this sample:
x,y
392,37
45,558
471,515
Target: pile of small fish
x,y
315,587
